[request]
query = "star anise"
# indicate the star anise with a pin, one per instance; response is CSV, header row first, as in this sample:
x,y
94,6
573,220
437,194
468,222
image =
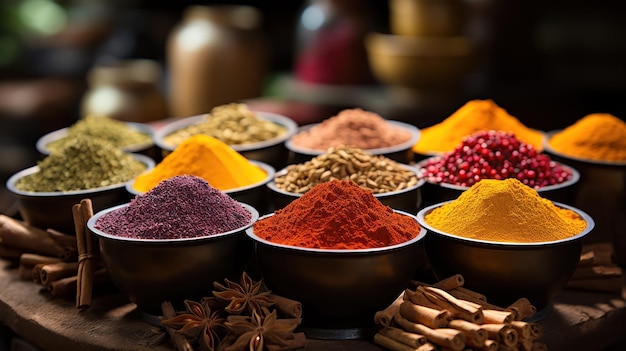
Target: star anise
x,y
199,324
245,296
257,332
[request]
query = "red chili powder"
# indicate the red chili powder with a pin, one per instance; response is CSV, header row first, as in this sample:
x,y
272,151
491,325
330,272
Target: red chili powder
x,y
352,127
337,215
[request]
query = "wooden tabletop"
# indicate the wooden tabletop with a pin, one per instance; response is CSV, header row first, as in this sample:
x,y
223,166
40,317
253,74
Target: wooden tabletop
x,y
577,320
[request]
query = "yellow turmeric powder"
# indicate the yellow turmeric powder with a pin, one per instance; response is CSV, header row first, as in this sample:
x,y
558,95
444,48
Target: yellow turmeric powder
x,y
505,211
474,116
205,157
597,136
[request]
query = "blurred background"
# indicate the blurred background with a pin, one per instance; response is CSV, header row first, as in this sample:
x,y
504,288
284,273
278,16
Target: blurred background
x,y
546,62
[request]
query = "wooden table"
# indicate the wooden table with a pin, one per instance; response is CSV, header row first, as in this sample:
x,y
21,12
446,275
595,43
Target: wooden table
x,y
578,321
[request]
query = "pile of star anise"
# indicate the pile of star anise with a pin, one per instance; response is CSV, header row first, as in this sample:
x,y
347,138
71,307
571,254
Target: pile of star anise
x,y
239,316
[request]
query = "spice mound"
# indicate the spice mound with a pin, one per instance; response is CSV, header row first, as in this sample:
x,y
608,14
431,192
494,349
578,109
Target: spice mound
x,y
205,157
376,173
234,124
352,127
597,136
474,116
505,211
180,207
116,133
337,214
84,163
494,155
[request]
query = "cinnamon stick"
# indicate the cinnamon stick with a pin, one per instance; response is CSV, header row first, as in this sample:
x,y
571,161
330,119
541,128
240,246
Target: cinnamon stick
x,y
67,286
36,273
297,342
384,317
449,283
417,297
31,259
495,316
430,317
445,337
62,239
287,307
522,309
490,345
524,329
24,272
596,272
20,235
10,253
86,253
402,336
470,294
458,308
587,259
392,344
179,340
475,336
55,271
504,334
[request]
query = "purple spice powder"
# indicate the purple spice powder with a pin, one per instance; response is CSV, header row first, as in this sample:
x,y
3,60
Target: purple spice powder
x,y
180,207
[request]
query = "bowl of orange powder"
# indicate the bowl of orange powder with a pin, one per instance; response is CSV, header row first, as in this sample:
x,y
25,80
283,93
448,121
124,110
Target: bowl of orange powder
x,y
507,241
340,252
356,128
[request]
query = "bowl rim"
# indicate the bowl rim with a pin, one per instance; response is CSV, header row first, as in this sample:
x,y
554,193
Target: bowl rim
x,y
415,136
58,134
547,147
420,182
171,127
92,221
571,181
10,183
269,171
338,252
421,214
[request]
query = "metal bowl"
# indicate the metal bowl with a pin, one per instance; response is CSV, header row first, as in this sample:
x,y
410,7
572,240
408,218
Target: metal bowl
x,y
54,209
272,151
407,200
402,153
148,149
338,289
433,192
256,195
505,271
151,271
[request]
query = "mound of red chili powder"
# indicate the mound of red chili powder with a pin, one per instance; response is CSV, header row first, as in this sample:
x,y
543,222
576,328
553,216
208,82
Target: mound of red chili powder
x,y
337,215
179,207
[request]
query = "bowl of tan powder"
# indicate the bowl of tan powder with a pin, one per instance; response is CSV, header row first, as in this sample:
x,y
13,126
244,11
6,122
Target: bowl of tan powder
x,y
507,240
84,168
257,135
356,128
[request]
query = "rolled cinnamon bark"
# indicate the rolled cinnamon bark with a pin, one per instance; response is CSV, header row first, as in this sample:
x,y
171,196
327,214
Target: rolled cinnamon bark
x,y
475,336
490,345
55,271
417,297
17,234
384,317
504,334
391,344
402,336
86,253
596,272
430,317
524,329
287,307
458,308
495,316
10,253
445,337
67,286
297,342
64,240
449,283
522,309
31,259
25,272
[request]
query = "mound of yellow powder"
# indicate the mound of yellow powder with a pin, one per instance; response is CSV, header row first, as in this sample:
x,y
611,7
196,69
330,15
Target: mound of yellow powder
x,y
597,136
205,157
505,211
474,116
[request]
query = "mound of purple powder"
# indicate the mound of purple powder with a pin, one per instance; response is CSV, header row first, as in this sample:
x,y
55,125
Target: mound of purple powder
x,y
179,207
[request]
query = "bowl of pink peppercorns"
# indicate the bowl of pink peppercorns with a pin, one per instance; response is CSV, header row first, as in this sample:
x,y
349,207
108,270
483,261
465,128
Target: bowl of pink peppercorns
x,y
494,154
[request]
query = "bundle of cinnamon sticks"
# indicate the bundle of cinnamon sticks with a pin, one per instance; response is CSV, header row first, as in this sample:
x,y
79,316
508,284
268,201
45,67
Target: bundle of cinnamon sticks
x,y
597,271
60,262
447,316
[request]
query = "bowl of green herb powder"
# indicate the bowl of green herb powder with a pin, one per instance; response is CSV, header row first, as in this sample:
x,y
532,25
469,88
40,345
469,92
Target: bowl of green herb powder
x,y
85,168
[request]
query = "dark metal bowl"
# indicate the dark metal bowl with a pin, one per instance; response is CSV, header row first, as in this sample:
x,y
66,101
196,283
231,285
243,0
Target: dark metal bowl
x,y
402,153
54,209
272,151
339,289
433,192
151,271
407,200
256,195
505,271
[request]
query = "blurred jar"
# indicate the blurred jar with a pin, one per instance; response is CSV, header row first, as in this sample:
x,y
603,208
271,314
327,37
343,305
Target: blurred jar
x,y
216,55
126,90
330,43
427,17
